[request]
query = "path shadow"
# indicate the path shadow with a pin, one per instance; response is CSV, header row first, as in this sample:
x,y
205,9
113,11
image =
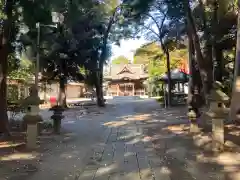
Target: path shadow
x,y
182,155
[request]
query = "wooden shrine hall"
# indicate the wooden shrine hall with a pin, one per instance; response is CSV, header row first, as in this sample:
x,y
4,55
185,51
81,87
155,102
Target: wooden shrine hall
x,y
126,80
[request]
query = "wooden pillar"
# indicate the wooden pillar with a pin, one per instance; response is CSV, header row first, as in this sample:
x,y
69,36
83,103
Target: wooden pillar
x,y
133,89
178,85
19,90
117,89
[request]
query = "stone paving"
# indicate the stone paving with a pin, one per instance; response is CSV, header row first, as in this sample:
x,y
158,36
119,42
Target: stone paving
x,y
132,140
123,156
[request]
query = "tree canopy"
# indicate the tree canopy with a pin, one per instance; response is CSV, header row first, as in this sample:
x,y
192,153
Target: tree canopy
x,y
81,40
120,60
152,55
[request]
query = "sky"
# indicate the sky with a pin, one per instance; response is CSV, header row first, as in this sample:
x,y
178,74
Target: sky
x,y
127,48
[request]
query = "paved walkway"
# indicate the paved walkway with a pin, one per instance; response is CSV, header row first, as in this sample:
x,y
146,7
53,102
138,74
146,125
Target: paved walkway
x,y
132,140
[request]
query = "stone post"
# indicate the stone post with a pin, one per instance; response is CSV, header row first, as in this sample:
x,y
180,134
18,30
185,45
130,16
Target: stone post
x,y
193,121
218,134
32,117
218,112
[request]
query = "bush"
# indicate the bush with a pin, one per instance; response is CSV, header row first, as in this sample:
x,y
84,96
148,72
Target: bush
x,y
160,99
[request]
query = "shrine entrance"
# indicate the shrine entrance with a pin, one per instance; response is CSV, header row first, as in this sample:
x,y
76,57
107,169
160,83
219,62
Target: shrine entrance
x,y
126,89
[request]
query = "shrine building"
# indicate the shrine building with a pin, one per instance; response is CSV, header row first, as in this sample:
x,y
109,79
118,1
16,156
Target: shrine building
x,y
126,80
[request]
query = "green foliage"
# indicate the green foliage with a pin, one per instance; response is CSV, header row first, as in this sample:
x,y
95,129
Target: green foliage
x,y
152,55
120,60
23,72
76,43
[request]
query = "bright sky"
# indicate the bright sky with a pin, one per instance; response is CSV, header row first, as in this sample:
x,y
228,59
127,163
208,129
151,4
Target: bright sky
x,y
127,48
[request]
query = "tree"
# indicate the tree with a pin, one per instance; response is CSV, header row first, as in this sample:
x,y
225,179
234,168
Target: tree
x,y
234,109
23,71
82,42
207,43
152,16
77,42
152,55
5,36
147,53
114,16
120,60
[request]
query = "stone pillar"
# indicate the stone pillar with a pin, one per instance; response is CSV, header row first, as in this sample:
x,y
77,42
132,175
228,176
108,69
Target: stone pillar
x,y
193,121
32,117
32,136
218,134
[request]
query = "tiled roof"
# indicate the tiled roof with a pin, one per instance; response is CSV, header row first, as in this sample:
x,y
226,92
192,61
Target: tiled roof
x,y
176,74
129,71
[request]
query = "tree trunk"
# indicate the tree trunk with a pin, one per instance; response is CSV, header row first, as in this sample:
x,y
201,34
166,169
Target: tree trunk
x,y
208,56
99,94
195,84
169,95
45,91
204,69
4,125
99,74
62,92
218,60
235,105
217,51
99,82
4,51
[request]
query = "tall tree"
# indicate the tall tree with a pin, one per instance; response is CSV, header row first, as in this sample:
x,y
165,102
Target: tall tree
x,y
152,55
152,17
82,41
235,108
5,36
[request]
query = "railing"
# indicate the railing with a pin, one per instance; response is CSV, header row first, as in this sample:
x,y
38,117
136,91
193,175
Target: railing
x,y
127,93
140,93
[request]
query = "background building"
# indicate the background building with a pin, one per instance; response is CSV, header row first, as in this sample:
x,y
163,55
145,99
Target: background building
x,y
126,80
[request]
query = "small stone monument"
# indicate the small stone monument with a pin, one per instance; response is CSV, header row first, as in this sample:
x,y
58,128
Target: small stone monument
x,y
32,117
218,112
193,121
193,110
57,118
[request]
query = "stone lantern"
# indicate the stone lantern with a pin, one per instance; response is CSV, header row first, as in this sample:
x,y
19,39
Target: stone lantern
x,y
218,112
32,117
57,118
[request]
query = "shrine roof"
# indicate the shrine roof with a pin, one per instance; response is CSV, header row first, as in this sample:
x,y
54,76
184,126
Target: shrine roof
x,y
176,75
126,71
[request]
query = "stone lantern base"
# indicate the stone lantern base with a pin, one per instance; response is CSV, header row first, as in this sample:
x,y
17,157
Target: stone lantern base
x,y
218,134
32,128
